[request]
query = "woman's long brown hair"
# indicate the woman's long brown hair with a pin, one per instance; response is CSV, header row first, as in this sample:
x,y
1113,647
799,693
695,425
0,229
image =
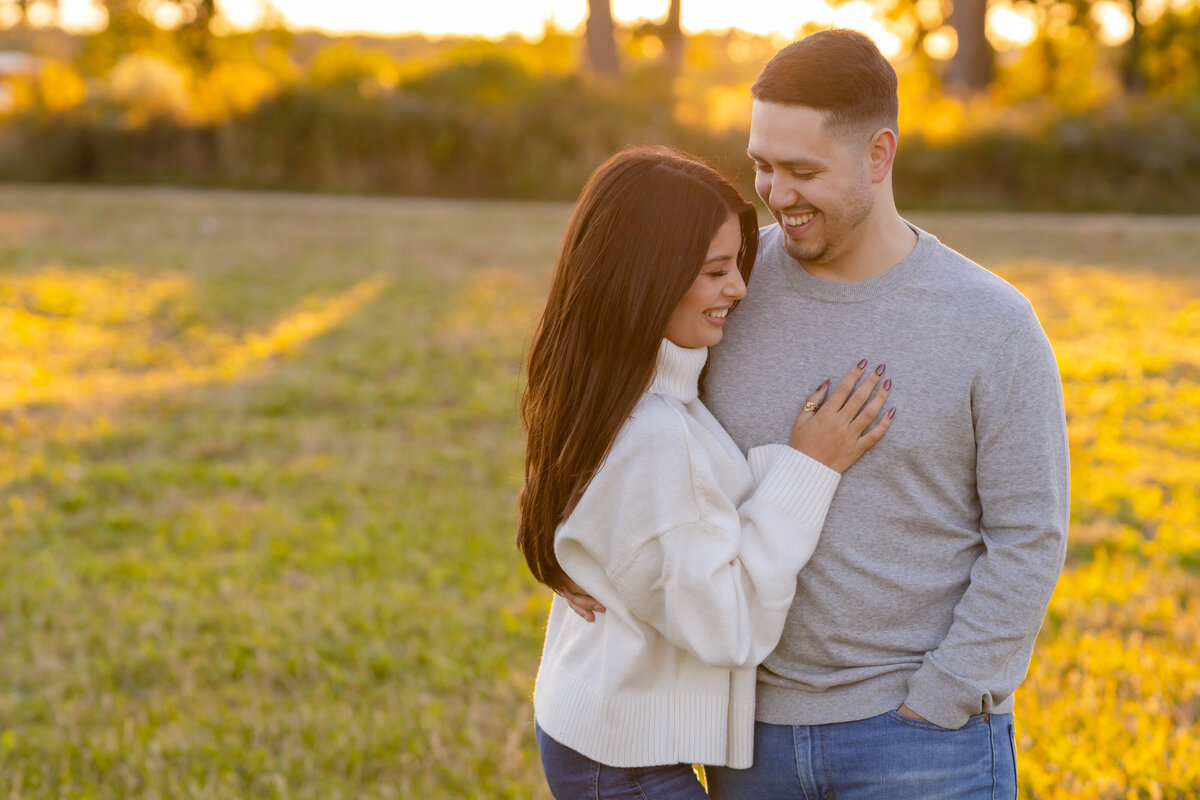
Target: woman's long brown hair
x,y
634,245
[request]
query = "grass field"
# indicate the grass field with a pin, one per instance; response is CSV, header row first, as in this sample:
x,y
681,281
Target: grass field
x,y
258,460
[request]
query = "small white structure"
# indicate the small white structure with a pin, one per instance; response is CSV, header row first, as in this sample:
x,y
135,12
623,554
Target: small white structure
x,y
14,63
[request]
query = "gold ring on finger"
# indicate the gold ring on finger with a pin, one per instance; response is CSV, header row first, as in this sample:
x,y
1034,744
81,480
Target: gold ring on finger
x,y
811,406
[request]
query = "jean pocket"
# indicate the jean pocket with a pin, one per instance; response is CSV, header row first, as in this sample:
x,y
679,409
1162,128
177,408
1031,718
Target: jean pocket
x,y
926,725
1012,743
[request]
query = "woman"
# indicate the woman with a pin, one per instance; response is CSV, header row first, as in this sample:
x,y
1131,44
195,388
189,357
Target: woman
x,y
634,492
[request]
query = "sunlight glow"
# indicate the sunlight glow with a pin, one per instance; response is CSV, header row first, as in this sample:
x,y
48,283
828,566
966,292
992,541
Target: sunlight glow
x,y
167,15
942,44
528,19
930,13
497,20
762,17
41,15
1150,10
1010,27
488,19
1113,20
244,14
77,337
81,16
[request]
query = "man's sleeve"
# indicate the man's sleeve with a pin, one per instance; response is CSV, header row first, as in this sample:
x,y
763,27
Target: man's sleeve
x,y
1022,473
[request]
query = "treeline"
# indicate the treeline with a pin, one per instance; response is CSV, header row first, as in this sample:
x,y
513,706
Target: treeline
x,y
519,120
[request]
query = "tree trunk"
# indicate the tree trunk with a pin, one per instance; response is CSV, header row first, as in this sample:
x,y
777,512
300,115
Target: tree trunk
x,y
672,35
196,34
600,38
1131,60
971,67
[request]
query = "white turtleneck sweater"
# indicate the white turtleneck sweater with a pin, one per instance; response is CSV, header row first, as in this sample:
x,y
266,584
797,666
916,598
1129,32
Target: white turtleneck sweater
x,y
694,552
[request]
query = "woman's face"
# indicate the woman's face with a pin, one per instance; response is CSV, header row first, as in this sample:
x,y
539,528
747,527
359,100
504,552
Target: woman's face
x,y
699,319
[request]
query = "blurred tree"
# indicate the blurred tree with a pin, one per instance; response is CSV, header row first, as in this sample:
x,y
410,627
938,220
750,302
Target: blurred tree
x,y
145,88
667,37
1168,59
919,23
601,38
1071,65
349,69
1067,31
1132,77
195,33
128,31
971,66
23,6
132,28
672,36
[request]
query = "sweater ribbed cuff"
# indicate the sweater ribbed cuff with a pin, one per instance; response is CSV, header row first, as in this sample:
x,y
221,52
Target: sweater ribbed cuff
x,y
800,486
942,698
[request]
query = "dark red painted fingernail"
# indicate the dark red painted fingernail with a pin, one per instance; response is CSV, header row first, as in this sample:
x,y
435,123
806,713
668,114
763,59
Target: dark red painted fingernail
x,y
823,385
879,370
887,384
862,364
892,413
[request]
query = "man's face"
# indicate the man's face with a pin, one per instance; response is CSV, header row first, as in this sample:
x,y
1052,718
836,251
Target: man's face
x,y
813,178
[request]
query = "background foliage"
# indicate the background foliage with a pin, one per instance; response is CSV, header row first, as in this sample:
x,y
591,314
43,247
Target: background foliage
x,y
1060,125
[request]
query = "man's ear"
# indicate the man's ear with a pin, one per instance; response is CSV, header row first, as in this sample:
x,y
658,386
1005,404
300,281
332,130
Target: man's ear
x,y
880,153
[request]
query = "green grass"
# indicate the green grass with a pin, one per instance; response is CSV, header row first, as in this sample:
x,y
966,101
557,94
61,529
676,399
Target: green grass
x,y
297,579
298,583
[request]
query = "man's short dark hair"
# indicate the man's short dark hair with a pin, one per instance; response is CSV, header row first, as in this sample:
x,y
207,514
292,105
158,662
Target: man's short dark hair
x,y
838,71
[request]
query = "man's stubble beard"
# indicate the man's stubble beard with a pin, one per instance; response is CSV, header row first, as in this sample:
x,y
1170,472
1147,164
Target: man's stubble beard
x,y
854,213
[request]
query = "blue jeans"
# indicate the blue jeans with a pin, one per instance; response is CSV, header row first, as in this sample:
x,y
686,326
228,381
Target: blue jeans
x,y
574,776
889,757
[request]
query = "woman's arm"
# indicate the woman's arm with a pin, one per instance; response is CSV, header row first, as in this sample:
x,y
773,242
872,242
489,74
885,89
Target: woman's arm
x,y
657,531
720,586
837,436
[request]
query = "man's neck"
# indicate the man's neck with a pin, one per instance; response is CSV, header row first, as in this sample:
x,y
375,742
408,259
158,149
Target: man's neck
x,y
879,245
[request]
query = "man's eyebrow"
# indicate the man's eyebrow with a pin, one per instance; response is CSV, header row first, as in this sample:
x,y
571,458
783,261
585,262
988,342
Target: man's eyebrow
x,y
807,163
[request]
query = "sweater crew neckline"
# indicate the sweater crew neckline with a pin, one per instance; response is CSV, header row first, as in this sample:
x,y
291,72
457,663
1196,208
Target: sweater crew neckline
x,y
677,371
806,284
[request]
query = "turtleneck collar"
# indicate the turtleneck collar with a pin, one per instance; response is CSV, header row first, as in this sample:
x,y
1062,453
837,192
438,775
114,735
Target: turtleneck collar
x,y
677,371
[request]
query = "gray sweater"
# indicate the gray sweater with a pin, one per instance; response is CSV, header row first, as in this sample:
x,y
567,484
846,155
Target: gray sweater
x,y
944,542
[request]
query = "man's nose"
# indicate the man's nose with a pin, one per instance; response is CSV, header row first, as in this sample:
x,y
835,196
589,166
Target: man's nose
x,y
783,192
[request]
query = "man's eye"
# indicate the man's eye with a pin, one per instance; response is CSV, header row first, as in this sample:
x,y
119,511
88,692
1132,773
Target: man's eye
x,y
761,168
802,175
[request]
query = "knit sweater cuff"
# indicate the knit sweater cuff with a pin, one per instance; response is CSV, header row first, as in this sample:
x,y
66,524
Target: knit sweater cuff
x,y
942,698
800,486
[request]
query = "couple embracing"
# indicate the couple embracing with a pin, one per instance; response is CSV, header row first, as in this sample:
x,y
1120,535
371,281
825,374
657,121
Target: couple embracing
x,y
815,582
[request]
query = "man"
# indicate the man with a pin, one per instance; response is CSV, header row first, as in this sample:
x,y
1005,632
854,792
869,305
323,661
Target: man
x,y
914,621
